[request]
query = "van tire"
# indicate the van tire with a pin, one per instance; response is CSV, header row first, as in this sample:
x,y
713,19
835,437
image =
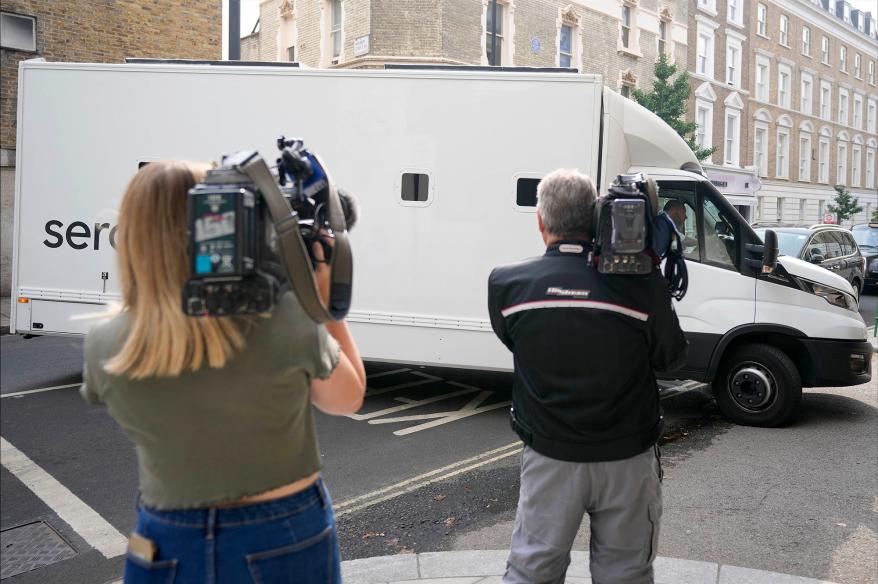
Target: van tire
x,y
758,385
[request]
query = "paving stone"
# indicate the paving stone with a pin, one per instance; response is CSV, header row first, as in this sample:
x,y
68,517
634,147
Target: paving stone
x,y
382,569
677,571
736,575
578,567
463,563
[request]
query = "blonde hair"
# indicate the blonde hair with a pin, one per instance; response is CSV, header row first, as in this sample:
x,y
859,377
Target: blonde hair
x,y
153,266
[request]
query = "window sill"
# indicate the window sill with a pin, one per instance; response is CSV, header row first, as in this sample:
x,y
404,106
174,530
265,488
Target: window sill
x,y
735,23
708,10
763,36
783,45
628,51
807,56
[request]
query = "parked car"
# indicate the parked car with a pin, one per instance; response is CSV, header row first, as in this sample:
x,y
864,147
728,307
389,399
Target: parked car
x,y
866,236
828,246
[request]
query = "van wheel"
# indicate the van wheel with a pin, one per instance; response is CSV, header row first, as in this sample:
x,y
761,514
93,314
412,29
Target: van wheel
x,y
758,385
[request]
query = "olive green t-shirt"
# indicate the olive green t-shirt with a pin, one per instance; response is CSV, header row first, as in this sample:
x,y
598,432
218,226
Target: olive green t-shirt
x,y
217,435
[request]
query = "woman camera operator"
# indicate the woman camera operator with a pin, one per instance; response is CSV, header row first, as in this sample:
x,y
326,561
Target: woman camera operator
x,y
219,410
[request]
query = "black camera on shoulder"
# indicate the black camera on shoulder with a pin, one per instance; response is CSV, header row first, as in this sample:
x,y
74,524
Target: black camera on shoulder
x,y
625,220
251,235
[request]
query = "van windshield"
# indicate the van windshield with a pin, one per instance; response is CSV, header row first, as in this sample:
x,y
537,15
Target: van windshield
x,y
788,243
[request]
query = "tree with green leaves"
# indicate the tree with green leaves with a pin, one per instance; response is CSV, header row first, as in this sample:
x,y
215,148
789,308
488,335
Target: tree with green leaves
x,y
846,205
874,218
668,100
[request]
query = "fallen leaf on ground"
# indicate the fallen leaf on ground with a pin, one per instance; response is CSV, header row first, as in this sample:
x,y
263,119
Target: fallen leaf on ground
x,y
450,522
371,534
439,498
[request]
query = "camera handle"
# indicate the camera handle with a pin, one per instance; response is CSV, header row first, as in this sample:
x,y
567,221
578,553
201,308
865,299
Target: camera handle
x,y
294,255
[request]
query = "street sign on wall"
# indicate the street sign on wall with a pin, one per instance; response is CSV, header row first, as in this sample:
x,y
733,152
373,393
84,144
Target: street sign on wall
x,y
828,218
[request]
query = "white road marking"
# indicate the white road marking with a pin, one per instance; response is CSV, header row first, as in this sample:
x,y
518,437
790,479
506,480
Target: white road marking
x,y
21,393
439,418
422,480
84,520
386,373
427,379
410,405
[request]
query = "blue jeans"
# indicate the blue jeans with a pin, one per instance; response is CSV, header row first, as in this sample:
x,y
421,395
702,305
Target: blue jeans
x,y
286,540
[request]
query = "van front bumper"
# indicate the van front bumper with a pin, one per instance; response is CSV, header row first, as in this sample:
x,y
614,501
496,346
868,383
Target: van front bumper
x,y
837,363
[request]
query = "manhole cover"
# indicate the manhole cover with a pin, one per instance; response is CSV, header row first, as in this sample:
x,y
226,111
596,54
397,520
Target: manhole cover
x,y
29,547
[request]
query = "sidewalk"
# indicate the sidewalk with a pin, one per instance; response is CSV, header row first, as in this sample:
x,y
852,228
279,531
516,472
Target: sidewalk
x,y
487,567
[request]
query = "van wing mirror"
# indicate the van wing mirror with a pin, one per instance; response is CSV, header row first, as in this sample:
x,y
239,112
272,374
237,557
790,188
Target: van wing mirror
x,y
769,254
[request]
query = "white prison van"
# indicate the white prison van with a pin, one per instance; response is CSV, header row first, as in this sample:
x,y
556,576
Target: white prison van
x,y
445,165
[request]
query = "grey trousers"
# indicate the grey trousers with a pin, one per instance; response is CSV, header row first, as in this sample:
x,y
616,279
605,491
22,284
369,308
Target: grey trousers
x,y
623,499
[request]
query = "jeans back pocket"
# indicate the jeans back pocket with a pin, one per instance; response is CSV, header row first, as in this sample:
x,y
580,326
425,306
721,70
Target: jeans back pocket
x,y
309,561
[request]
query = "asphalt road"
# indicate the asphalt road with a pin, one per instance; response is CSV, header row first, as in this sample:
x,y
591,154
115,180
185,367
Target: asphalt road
x,y
798,500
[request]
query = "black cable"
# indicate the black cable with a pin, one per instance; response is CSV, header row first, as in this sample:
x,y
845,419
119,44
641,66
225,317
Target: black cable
x,y
676,273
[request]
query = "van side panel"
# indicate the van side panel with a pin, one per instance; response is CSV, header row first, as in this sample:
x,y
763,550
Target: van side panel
x,y
421,267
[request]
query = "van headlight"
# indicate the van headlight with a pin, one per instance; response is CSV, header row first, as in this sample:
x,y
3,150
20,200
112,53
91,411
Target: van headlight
x,y
832,295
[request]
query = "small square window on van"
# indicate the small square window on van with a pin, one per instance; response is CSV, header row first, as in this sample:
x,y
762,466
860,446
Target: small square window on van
x,y
526,192
415,187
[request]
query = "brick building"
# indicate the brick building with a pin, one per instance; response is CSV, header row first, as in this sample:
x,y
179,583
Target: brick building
x,y
806,117
93,31
619,39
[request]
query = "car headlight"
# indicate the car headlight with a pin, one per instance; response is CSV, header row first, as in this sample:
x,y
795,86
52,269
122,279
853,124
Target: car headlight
x,y
832,295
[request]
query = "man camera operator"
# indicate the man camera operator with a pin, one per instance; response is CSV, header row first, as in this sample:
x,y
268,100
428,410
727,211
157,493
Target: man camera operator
x,y
585,399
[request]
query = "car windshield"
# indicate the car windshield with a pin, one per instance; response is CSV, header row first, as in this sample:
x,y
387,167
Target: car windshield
x,y
787,243
866,236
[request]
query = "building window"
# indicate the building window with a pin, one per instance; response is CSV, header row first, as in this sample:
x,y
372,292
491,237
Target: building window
x,y
782,167
858,111
735,13
857,65
806,90
733,133
870,116
760,160
779,208
626,25
704,121
626,91
291,54
871,72
856,152
335,29
707,5
843,59
733,62
805,157
870,168
824,51
784,37
663,37
494,34
825,100
565,49
783,86
806,41
823,160
843,106
841,166
704,64
762,78
760,19
18,32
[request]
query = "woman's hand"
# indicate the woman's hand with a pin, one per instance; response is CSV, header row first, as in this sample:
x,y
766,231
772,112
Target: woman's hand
x,y
323,270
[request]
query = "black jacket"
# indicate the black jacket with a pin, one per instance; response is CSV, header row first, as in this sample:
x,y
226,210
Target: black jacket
x,y
585,346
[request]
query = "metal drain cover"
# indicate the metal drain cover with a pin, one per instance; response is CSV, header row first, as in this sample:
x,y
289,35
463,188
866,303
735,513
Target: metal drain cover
x,y
29,547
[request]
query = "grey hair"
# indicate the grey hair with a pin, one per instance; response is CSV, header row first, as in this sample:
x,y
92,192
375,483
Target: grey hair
x,y
565,200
